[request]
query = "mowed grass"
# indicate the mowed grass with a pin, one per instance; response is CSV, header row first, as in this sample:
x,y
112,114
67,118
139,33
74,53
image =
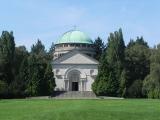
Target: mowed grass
x,y
50,109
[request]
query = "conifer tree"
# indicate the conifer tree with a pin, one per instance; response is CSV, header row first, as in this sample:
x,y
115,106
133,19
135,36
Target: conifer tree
x,y
151,84
111,66
99,48
137,66
41,78
7,50
49,77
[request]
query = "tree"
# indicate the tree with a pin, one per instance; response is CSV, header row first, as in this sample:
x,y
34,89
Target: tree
x,y
38,48
52,48
139,41
99,48
23,73
99,86
115,57
7,51
151,84
50,52
20,83
20,54
135,89
111,66
3,90
137,66
40,76
49,77
123,83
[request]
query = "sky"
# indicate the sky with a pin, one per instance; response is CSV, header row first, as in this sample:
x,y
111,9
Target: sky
x,y
47,20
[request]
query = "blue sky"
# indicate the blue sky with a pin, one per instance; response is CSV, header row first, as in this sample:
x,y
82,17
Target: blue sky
x,y
48,19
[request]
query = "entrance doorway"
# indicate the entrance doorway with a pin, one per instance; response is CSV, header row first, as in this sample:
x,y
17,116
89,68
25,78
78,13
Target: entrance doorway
x,y
74,79
74,86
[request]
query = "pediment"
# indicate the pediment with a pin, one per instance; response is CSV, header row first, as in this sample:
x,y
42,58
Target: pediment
x,y
75,57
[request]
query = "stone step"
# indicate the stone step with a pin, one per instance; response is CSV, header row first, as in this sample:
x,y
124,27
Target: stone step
x,y
74,94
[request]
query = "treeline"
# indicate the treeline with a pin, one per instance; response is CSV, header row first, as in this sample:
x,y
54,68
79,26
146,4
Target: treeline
x,y
131,71
24,73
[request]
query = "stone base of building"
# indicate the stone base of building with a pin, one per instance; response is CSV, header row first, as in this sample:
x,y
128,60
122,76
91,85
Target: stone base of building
x,y
73,94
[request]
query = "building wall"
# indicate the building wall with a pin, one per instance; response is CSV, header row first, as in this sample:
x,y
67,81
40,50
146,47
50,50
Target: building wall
x,y
88,73
61,49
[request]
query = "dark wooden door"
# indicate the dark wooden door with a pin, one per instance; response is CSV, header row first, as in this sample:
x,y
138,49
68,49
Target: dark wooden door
x,y
74,86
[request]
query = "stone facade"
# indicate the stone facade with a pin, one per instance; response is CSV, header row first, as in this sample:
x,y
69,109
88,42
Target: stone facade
x,y
75,71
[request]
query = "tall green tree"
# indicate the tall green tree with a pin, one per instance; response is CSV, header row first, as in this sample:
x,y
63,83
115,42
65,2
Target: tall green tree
x,y
139,41
111,66
18,85
115,57
100,84
52,48
38,48
23,78
20,54
99,48
51,51
7,51
38,77
23,73
151,84
49,77
137,66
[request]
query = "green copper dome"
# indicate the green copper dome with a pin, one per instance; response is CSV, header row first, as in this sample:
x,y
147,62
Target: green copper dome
x,y
74,36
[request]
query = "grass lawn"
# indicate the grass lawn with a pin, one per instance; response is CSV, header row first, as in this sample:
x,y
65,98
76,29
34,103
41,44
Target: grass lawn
x,y
49,109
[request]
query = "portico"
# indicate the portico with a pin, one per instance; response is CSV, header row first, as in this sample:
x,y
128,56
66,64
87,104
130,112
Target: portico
x,y
74,81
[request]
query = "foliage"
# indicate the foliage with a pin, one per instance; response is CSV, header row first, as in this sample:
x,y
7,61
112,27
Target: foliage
x,y
99,48
49,77
3,90
137,66
151,84
52,48
7,49
38,48
50,52
132,71
23,73
111,66
123,83
40,75
135,90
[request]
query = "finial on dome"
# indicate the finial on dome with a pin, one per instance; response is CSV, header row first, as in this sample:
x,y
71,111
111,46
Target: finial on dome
x,y
74,27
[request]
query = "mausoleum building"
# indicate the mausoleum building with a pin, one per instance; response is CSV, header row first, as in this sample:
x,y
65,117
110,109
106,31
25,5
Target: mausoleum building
x,y
74,65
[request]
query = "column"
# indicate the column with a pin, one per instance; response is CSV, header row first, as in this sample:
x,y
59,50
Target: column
x,y
66,84
80,85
